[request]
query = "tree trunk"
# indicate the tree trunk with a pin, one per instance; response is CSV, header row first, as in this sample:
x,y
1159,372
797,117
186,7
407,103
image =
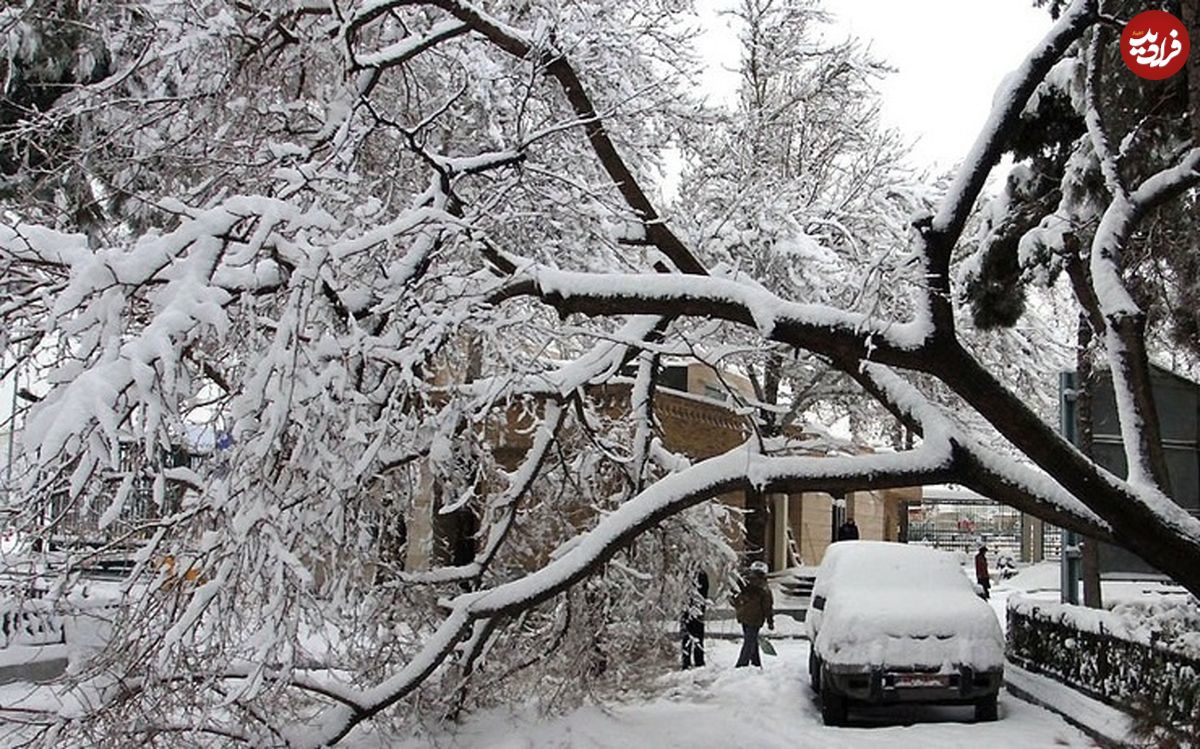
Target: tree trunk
x,y
756,526
1190,10
758,515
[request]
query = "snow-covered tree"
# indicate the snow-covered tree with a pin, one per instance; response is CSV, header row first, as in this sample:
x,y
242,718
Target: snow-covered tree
x,y
1084,138
396,250
798,187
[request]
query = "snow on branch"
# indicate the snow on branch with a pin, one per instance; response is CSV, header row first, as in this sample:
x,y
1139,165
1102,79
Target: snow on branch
x,y
740,468
1120,503
1007,105
849,339
1027,489
1101,143
556,63
1124,320
409,47
503,507
813,326
596,365
993,474
1169,182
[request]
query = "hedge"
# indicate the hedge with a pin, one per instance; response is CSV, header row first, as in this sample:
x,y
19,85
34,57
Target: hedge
x,y
1131,671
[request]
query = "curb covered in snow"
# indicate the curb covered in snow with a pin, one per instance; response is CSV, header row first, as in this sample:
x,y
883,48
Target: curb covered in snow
x,y
35,663
1107,725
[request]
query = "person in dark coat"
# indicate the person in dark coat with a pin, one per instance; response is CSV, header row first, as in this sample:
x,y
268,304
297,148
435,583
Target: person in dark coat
x,y
754,605
848,531
981,573
692,623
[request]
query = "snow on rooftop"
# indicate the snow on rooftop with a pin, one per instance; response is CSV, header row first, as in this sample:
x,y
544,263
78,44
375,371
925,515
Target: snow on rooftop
x,y
935,492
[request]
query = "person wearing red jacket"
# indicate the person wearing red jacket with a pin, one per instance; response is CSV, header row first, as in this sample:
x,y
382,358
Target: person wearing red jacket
x,y
981,572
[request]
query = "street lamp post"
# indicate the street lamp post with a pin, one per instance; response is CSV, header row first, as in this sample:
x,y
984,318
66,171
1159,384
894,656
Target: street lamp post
x,y
1070,565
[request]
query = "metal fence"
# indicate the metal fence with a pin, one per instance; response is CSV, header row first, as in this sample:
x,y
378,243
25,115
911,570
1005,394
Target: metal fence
x,y
29,622
78,520
1140,678
962,524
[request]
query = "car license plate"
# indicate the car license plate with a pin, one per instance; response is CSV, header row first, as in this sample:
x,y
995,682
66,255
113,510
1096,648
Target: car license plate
x,y
921,680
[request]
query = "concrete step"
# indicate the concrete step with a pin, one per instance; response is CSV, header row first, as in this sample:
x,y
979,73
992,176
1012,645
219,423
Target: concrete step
x,y
795,585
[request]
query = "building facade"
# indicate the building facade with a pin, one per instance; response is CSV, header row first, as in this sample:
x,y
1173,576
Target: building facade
x,y
696,419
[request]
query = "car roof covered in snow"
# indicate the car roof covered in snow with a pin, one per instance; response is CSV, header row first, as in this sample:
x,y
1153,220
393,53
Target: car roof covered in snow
x,y
893,604
883,564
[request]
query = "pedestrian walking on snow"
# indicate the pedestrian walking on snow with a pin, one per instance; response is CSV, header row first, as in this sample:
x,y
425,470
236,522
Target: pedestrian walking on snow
x,y
754,605
981,573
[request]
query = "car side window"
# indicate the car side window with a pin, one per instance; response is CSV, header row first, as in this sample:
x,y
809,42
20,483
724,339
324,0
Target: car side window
x,y
818,603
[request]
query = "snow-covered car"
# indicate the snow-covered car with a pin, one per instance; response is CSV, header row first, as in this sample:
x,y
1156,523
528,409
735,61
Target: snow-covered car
x,y
893,623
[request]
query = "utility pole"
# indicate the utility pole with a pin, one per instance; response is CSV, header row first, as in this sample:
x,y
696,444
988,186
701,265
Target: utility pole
x,y
1084,440
1068,391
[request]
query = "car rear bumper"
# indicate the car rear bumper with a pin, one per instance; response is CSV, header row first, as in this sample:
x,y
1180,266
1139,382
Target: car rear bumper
x,y
886,686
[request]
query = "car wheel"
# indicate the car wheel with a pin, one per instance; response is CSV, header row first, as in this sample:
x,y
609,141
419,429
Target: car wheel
x,y
986,709
814,671
834,707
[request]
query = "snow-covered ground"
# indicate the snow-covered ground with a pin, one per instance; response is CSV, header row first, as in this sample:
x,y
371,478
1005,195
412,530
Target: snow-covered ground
x,y
719,706
723,707
1041,581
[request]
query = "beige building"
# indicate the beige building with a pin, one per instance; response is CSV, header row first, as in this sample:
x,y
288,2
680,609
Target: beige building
x,y
691,404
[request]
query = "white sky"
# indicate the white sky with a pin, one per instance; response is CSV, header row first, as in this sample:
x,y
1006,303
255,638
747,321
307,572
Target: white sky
x,y
950,55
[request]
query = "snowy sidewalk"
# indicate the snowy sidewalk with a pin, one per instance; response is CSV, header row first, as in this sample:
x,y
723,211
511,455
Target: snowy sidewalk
x,y
32,663
720,707
1106,724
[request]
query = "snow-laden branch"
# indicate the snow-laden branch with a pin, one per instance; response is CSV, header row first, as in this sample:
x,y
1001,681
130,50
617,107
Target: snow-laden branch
x,y
812,326
191,266
1126,507
522,46
849,340
409,47
596,365
939,235
1110,165
739,469
503,507
641,405
1121,219
994,475
1169,182
1008,103
1124,320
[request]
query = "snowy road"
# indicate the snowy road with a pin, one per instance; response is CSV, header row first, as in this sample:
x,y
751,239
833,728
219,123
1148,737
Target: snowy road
x,y
720,707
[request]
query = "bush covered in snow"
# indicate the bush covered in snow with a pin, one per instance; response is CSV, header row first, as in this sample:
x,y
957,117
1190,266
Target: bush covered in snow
x,y
1140,657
